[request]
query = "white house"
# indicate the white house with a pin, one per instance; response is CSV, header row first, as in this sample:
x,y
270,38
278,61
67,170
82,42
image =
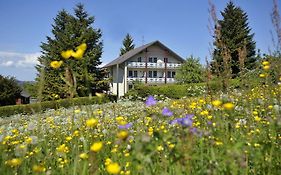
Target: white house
x,y
153,63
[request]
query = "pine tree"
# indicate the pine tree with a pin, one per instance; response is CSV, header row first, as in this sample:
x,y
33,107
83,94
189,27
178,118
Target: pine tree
x,y
69,31
127,44
234,40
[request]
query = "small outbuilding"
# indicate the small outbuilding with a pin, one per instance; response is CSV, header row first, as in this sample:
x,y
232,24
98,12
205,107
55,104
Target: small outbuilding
x,y
24,98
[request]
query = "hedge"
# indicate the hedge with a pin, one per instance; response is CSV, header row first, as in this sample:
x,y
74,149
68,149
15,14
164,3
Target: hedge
x,y
177,91
172,91
6,111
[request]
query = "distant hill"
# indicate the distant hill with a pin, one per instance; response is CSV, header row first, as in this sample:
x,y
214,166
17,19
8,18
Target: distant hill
x,y
21,83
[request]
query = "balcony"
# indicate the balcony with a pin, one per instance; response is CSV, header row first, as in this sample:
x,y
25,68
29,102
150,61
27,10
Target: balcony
x,y
153,65
151,80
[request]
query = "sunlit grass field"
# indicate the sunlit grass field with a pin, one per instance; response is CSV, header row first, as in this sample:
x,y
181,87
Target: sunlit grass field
x,y
238,132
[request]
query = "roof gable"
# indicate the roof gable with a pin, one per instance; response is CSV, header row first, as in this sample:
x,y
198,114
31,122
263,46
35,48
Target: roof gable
x,y
137,50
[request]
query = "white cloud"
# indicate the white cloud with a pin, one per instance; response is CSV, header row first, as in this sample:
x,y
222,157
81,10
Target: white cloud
x,y
6,63
15,59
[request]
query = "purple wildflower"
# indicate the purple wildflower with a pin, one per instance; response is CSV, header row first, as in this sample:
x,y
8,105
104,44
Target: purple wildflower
x,y
167,112
150,101
175,121
196,132
185,121
127,126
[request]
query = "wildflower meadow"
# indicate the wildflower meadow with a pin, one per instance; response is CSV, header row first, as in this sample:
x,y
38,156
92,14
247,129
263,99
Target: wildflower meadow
x,y
234,129
237,132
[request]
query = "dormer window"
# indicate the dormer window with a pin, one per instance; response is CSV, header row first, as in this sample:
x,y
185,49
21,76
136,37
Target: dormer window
x,y
150,59
139,59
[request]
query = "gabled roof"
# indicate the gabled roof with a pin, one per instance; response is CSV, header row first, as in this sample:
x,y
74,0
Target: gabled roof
x,y
137,50
24,94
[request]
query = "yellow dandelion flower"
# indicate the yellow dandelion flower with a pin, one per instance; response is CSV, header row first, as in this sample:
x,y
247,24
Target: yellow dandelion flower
x,y
83,156
96,147
56,64
114,150
62,149
68,138
257,118
265,63
171,146
107,161
113,168
127,154
160,148
267,67
122,135
127,164
15,131
14,162
92,122
262,75
82,46
218,143
38,168
28,140
76,133
66,54
216,103
78,54
121,120
77,111
228,106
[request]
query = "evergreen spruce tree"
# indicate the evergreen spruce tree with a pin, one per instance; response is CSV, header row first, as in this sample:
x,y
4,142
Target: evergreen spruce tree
x,y
127,44
234,37
69,31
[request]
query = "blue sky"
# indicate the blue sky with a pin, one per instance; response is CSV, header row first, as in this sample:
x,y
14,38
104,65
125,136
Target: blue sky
x,y
181,25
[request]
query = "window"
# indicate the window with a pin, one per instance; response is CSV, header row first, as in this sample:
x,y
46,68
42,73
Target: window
x,y
173,74
165,60
150,74
154,74
169,74
150,59
155,59
139,59
135,73
130,73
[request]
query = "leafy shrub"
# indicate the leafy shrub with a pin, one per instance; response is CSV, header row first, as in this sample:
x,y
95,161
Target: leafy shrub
x,y
191,71
177,91
174,91
38,107
10,90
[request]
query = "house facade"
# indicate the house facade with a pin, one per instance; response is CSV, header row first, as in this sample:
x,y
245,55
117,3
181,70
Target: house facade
x,y
153,64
